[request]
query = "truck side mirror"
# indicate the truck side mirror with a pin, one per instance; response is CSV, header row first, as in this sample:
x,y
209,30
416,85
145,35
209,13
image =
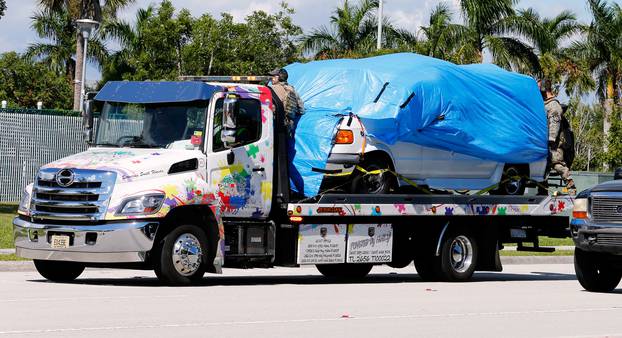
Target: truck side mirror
x,y
231,110
87,120
617,175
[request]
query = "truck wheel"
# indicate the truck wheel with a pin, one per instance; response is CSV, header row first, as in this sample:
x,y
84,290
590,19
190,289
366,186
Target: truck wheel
x,y
58,271
594,274
372,183
510,183
426,262
458,258
179,260
427,267
344,271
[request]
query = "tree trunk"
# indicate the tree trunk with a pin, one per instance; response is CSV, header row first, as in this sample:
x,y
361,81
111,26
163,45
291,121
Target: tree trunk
x,y
609,102
78,72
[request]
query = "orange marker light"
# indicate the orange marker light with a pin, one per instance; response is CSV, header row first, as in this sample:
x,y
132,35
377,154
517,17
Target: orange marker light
x,y
579,214
295,219
344,137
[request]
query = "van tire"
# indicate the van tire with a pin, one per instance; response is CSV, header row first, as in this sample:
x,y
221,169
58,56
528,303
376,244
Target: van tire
x,y
381,183
509,186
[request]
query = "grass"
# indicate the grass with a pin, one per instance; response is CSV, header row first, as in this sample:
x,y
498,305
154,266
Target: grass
x,y
527,253
548,241
6,230
12,257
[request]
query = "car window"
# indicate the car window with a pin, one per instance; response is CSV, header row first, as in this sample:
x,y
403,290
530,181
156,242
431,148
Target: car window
x,y
248,123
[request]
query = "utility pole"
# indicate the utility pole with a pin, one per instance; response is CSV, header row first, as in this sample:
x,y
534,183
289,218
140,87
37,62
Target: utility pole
x,y
379,41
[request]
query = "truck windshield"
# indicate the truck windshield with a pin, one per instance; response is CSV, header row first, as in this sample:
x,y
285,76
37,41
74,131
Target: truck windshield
x,y
150,125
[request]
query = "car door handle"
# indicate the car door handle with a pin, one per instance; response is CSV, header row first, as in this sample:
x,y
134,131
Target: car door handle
x,y
258,169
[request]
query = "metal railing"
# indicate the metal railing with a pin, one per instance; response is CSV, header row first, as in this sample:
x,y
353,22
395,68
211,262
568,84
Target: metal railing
x,y
30,138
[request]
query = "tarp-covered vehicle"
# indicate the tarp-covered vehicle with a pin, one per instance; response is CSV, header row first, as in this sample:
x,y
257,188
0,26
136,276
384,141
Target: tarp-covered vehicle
x,y
438,124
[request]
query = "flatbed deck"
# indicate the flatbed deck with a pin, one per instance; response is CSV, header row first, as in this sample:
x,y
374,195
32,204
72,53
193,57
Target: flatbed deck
x,y
433,205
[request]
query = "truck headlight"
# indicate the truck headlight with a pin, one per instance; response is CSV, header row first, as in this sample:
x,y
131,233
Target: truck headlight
x,y
141,205
579,211
24,204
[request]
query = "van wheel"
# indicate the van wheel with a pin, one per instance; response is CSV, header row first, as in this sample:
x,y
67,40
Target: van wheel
x,y
58,271
344,271
381,183
593,273
512,183
180,258
458,257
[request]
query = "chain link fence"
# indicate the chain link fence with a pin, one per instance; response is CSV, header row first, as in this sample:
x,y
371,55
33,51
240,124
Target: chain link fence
x,y
30,138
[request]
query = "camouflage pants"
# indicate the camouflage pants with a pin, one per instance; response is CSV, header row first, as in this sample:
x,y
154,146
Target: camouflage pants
x,y
558,164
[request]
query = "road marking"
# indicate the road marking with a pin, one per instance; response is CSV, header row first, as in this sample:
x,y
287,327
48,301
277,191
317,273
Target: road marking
x,y
306,320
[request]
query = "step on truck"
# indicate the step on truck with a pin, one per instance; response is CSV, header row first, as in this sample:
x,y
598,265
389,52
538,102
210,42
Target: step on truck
x,y
187,177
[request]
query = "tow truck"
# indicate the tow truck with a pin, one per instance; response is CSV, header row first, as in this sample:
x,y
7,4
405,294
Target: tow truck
x,y
187,177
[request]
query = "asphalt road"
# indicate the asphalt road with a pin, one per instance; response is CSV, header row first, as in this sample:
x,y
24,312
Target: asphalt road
x,y
523,301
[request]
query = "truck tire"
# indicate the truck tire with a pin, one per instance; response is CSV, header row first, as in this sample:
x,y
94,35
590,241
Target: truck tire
x,y
427,267
594,274
426,262
59,271
344,271
179,259
458,257
372,183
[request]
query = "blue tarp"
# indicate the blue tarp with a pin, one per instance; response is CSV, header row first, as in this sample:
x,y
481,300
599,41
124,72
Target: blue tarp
x,y
155,92
478,110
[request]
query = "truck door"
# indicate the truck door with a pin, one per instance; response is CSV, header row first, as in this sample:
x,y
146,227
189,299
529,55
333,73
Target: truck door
x,y
241,176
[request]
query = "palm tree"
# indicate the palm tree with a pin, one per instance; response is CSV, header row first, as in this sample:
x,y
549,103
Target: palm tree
x,y
59,29
491,25
83,9
601,49
130,39
548,36
443,39
353,29
2,7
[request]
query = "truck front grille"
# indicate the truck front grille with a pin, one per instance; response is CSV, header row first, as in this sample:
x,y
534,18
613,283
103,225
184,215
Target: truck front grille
x,y
80,194
609,239
606,209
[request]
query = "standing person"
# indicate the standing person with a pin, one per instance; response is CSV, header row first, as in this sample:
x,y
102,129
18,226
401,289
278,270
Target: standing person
x,y
554,114
289,97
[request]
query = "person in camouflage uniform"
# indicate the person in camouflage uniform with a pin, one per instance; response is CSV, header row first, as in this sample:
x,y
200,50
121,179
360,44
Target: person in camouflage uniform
x,y
554,113
292,103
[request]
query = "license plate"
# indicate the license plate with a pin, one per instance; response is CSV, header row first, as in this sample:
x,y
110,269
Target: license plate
x,y
60,241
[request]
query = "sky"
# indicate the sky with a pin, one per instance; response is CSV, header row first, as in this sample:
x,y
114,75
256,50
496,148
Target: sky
x,y
16,34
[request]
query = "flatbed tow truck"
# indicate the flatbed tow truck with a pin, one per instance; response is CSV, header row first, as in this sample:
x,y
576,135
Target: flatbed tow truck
x,y
218,199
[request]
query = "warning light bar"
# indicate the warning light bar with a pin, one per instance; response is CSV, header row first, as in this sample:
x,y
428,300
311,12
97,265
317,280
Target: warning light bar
x,y
237,79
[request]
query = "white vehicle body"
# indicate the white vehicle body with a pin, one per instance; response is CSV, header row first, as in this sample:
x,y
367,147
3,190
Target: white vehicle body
x,y
435,168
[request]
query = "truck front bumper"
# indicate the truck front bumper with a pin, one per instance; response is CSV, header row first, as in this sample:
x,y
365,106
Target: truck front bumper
x,y
606,238
123,242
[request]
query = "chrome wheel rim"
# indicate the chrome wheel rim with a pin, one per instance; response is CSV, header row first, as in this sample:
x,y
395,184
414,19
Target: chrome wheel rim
x,y
187,254
461,254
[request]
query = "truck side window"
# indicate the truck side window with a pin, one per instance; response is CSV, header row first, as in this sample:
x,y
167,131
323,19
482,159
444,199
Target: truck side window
x,y
249,123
